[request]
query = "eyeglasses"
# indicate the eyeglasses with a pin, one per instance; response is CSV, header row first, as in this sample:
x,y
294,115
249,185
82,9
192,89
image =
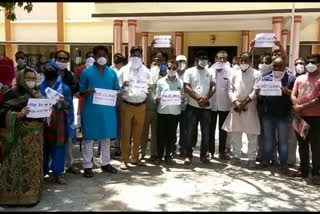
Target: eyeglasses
x,y
299,63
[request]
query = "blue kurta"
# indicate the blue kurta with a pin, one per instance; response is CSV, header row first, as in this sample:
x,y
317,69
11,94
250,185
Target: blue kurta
x,y
99,122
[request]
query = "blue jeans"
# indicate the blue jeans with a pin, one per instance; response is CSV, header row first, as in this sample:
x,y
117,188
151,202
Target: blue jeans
x,y
270,125
193,116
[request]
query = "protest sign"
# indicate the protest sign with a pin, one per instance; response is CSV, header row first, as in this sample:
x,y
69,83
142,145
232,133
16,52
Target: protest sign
x,y
39,108
162,41
53,94
139,85
171,98
105,97
270,88
264,40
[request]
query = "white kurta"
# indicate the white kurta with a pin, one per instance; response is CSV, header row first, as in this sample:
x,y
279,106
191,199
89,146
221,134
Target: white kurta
x,y
241,86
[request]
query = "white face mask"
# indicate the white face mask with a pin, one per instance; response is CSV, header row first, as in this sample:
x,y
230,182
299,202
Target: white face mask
x,y
244,67
278,75
300,69
171,73
31,84
90,61
136,62
62,65
311,67
264,68
219,65
21,62
203,63
182,66
236,67
102,61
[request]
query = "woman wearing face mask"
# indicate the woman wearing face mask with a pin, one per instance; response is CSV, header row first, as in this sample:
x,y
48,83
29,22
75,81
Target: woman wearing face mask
x,y
299,66
265,65
168,115
21,180
60,126
276,116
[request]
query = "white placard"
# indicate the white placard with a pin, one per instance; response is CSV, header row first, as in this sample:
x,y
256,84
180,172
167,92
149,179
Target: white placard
x,y
53,94
141,85
170,98
270,88
162,41
39,108
264,40
105,97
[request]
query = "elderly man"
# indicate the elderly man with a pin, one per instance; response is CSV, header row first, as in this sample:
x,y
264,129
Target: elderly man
x,y
220,103
243,117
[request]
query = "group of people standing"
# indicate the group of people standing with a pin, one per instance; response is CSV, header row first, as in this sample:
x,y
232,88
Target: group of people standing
x,y
225,93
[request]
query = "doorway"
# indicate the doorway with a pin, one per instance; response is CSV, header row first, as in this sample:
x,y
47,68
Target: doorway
x,y
212,51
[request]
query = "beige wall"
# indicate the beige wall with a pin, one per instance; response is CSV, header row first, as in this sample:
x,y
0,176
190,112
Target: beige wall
x,y
88,32
190,7
78,11
310,33
2,32
40,11
45,32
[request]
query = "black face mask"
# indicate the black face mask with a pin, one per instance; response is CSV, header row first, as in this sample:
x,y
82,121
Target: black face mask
x,y
50,75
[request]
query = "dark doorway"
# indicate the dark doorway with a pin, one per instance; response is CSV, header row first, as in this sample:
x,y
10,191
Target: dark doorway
x,y
212,51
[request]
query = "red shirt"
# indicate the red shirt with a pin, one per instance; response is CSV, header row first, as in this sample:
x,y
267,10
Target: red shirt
x,y
308,87
81,99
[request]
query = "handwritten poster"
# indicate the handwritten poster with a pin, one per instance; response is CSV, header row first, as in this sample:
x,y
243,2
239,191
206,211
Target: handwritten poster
x,y
40,108
264,40
270,88
162,41
171,98
105,97
54,95
141,85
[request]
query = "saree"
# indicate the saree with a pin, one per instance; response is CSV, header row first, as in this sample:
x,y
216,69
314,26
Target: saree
x,y
21,177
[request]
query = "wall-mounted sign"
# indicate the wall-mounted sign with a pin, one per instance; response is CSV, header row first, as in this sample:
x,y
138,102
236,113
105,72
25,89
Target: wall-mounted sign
x,y
162,41
265,40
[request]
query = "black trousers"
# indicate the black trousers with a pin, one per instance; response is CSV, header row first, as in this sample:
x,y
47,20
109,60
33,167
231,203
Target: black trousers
x,y
222,134
167,133
312,138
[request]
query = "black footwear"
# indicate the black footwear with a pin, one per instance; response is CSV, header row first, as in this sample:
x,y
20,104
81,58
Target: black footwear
x,y
98,154
263,165
224,157
169,161
117,154
157,161
153,158
88,173
109,168
259,160
285,171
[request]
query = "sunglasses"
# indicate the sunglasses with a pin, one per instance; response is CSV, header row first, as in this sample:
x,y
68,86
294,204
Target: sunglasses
x,y
62,58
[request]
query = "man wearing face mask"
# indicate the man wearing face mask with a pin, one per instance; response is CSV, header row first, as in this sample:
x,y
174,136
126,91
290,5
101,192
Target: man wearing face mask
x,y
99,122
62,60
151,114
133,109
306,99
21,61
220,103
235,63
199,85
168,115
243,116
276,115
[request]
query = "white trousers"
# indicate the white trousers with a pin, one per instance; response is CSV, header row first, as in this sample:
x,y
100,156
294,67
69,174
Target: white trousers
x,y
236,142
88,153
69,155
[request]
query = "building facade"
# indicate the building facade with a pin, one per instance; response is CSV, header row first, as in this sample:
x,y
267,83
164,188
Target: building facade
x,y
77,27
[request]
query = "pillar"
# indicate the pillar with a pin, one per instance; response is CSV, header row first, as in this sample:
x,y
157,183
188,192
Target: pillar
x,y
145,48
132,25
296,39
277,27
11,49
284,38
245,41
117,36
179,43
60,26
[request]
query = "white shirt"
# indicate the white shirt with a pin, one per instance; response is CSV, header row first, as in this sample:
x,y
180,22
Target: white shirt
x,y
200,83
126,73
183,105
220,100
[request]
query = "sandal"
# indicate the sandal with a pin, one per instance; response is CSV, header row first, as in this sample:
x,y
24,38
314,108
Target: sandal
x,y
60,180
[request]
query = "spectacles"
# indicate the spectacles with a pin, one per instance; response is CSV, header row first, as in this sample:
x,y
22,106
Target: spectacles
x,y
299,63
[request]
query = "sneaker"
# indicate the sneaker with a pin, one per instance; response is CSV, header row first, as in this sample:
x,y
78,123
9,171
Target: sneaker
x,y
205,160
235,161
88,173
108,168
187,161
251,164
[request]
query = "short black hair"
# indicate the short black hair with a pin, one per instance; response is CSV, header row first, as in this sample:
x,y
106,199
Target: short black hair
x,y
201,53
246,53
62,51
314,56
268,58
96,49
88,54
223,53
275,50
134,49
119,58
19,52
52,55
